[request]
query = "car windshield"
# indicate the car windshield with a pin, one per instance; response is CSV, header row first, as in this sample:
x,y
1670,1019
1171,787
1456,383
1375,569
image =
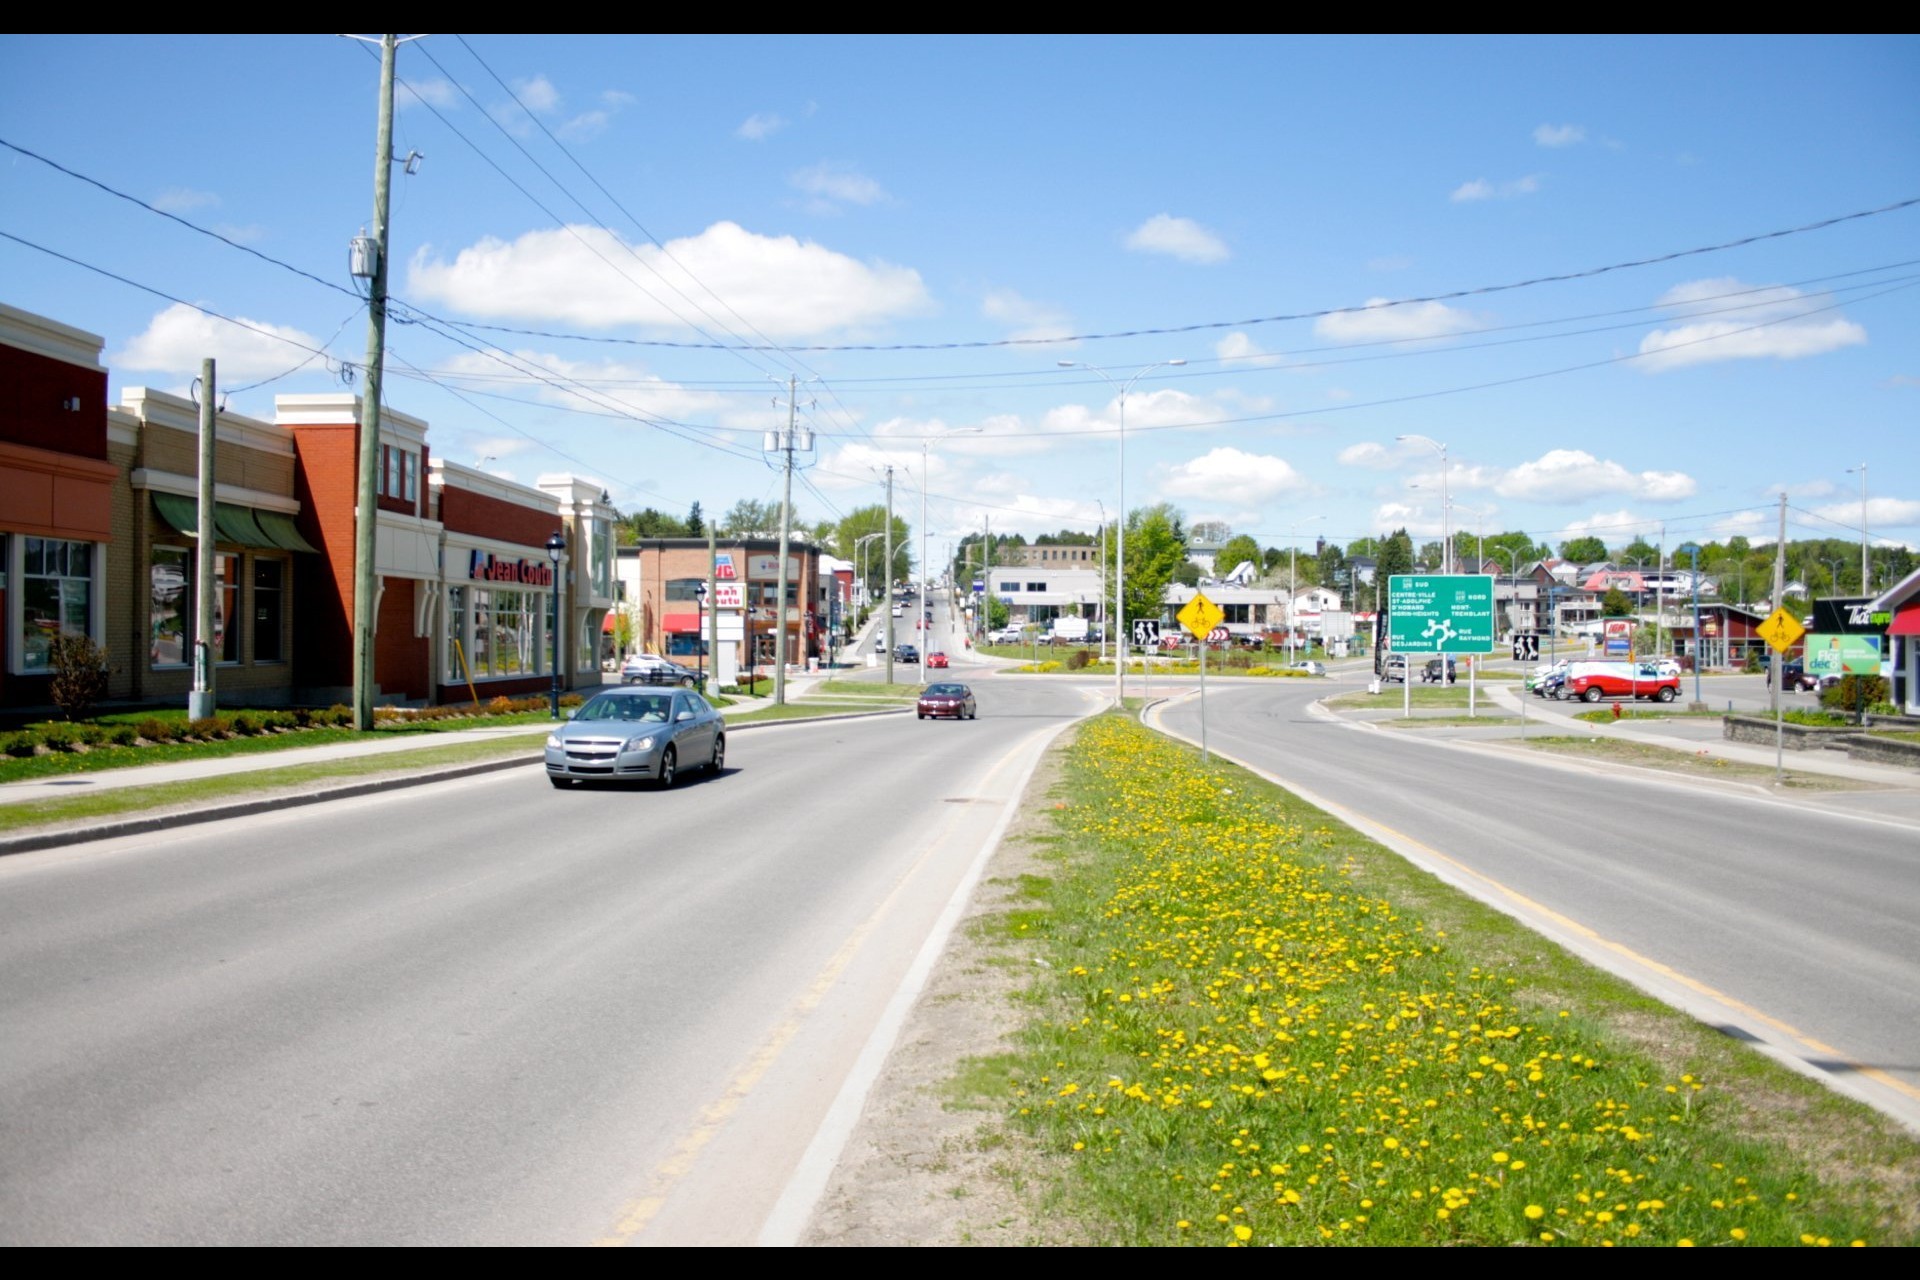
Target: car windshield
x,y
946,691
609,707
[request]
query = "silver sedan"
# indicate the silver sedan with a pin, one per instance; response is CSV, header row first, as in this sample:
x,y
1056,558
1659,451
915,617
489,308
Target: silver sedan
x,y
637,735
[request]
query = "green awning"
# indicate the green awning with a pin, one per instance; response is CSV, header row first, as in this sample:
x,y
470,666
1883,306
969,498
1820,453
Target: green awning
x,y
237,525
282,533
240,526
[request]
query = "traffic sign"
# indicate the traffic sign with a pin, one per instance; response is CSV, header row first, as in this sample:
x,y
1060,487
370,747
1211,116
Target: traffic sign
x,y
1200,615
1526,646
1781,630
1146,632
1440,613
1219,635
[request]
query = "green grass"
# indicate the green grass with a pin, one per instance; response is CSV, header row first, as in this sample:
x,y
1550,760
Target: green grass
x,y
1601,715
1248,1023
870,688
1390,696
1484,716
126,801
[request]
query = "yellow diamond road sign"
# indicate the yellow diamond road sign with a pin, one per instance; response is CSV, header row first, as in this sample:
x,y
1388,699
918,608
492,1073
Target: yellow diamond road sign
x,y
1200,615
1781,630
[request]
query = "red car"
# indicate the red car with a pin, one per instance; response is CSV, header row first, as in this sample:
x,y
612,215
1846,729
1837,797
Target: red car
x,y
955,700
937,660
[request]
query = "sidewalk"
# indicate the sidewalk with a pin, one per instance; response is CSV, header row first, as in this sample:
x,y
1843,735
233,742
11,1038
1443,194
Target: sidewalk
x,y
1831,763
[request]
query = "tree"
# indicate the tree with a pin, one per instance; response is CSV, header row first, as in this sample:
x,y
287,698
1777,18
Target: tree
x,y
696,523
1333,569
1640,550
653,524
1187,574
845,542
1156,548
748,516
1394,555
1615,604
1583,550
79,668
1432,553
1211,532
1235,551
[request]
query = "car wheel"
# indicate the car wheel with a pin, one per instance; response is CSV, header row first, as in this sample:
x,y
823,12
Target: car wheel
x,y
686,682
719,760
669,769
1592,694
1665,695
559,784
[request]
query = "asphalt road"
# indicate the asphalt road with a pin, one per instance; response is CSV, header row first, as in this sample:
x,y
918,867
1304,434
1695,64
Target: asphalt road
x,y
1795,925
487,1012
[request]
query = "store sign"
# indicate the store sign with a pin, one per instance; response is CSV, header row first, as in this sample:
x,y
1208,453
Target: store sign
x,y
1855,616
769,567
727,595
1834,655
723,568
528,573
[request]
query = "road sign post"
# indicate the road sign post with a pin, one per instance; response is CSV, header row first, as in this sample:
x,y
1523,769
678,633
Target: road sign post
x,y
1200,616
1439,615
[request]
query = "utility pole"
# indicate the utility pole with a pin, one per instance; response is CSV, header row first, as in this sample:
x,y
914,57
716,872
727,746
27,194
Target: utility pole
x,y
786,523
200,703
366,506
1866,565
712,637
1779,658
886,575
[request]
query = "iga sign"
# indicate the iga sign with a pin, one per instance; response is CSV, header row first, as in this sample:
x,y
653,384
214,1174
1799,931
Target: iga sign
x,y
723,566
527,573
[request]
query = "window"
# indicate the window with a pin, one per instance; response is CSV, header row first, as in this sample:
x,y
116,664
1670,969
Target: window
x,y
269,582
602,552
459,661
1006,588
1036,586
56,596
503,633
399,473
168,607
226,607
686,589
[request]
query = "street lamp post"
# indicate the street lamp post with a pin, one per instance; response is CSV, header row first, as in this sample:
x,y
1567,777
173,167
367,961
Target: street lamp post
x,y
926,626
1866,571
1699,642
1446,514
700,613
1120,645
557,547
1293,585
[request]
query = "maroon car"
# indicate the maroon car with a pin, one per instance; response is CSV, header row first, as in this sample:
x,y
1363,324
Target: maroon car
x,y
955,700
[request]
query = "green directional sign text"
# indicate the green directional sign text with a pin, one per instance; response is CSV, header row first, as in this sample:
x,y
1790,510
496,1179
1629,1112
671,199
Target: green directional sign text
x,y
1441,613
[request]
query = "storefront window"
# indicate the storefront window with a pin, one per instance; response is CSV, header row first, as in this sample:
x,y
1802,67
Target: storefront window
x,y
167,612
56,596
508,630
459,659
269,584
226,607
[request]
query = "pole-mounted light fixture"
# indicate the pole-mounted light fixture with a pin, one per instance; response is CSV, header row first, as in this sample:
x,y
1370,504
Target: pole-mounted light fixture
x,y
556,547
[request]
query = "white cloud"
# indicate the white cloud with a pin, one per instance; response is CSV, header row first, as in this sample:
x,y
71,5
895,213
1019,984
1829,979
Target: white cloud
x,y
760,126
1615,528
786,287
607,386
586,124
1481,189
537,94
1416,520
177,339
1181,238
830,186
1025,317
1232,476
250,233
1240,349
184,200
1372,455
1559,135
1567,475
1380,321
1772,323
1882,513
433,93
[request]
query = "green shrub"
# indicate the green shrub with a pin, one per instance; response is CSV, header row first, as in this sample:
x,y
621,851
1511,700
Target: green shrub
x,y
79,668
211,727
20,745
1078,659
154,729
60,737
1852,691
122,735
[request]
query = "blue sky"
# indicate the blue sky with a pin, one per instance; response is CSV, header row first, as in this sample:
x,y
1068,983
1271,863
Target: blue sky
x,y
837,192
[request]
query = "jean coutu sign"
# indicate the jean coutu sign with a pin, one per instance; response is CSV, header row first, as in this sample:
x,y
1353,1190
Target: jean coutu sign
x,y
491,568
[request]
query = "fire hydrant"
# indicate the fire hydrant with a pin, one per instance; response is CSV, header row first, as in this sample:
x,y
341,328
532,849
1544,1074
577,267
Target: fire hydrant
x,y
1616,711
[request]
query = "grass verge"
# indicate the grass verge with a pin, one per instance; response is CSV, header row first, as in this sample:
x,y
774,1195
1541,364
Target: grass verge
x,y
1698,763
1603,715
1484,717
1390,697
1250,1025
120,802
869,689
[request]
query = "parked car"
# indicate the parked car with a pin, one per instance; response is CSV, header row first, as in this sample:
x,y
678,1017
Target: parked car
x,y
1006,635
906,653
1394,668
936,659
1592,681
1794,677
637,735
651,668
954,700
1548,681
1437,669
1309,667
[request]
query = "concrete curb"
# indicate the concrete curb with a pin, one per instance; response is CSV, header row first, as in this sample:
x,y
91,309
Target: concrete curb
x,y
35,841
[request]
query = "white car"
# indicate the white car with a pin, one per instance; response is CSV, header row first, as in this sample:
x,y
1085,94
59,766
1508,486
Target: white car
x,y
1006,635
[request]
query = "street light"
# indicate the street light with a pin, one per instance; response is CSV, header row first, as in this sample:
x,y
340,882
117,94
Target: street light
x,y
557,547
926,606
700,635
859,555
1120,645
1866,574
1699,642
1293,585
1446,515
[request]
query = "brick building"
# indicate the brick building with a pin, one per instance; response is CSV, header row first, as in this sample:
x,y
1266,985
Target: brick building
x,y
662,577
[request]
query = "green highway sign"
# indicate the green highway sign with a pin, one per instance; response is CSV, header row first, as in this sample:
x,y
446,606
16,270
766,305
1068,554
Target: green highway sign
x,y
1440,613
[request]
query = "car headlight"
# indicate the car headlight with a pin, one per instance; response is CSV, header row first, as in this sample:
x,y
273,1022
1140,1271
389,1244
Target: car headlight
x,y
553,740
640,744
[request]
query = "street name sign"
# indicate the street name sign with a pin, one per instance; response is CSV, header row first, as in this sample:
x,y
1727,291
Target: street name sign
x,y
1200,615
1781,630
1440,613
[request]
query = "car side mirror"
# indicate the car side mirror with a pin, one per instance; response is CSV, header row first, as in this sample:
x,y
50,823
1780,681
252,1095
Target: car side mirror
x,y
684,715
572,712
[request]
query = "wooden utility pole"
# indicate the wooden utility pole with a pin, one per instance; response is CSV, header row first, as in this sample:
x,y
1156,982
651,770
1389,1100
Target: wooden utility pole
x,y
201,702
886,576
366,504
